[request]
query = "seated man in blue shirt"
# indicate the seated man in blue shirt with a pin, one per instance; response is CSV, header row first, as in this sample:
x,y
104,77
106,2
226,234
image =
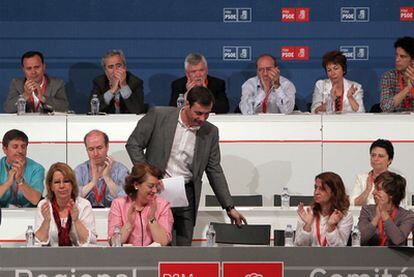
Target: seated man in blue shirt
x,y
21,178
100,179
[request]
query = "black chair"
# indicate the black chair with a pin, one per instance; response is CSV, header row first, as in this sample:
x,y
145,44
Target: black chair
x,y
246,234
239,200
376,108
279,237
412,200
294,200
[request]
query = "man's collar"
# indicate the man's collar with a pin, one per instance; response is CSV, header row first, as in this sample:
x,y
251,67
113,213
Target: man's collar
x,y
182,124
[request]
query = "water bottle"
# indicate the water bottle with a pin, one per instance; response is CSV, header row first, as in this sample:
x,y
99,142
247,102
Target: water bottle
x,y
94,104
180,101
356,237
289,236
116,237
285,198
30,241
211,236
252,104
21,105
329,104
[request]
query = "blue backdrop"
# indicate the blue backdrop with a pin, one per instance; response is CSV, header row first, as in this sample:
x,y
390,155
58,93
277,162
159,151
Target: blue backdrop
x,y
156,36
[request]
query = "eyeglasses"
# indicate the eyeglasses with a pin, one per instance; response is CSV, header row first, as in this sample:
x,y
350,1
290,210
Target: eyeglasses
x,y
265,69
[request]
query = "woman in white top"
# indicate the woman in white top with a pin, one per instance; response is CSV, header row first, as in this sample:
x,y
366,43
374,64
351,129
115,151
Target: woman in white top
x,y
327,221
381,154
63,218
347,96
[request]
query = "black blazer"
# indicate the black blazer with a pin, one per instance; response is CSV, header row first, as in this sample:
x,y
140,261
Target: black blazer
x,y
134,104
217,87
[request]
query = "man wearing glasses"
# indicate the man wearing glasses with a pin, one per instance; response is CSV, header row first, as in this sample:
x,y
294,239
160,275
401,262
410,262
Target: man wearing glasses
x,y
268,92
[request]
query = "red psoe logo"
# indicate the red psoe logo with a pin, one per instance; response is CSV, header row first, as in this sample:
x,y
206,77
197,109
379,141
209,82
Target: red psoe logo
x,y
295,14
407,14
251,269
290,53
287,53
182,269
288,14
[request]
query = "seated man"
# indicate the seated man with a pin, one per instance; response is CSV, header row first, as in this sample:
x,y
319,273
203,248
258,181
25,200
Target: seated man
x,y
268,92
118,90
41,92
196,74
100,179
397,85
21,178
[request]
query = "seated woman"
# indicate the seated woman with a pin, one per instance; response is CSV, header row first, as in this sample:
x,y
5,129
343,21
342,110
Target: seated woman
x,y
327,221
381,155
347,96
385,223
63,218
142,217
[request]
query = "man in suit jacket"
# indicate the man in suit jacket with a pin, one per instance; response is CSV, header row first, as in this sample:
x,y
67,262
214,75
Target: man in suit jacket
x,y
182,143
118,90
196,74
41,92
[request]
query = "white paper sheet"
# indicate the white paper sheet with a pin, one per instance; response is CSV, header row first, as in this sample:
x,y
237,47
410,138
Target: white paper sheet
x,y
174,192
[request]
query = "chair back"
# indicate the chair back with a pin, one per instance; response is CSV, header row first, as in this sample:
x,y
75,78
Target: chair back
x,y
239,201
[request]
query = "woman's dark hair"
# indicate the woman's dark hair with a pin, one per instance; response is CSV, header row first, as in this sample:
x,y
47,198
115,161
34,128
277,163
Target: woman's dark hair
x,y
393,184
139,175
383,143
339,199
406,43
335,57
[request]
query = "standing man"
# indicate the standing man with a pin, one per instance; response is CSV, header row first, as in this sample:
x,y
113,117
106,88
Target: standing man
x,y
267,92
21,178
196,74
182,143
100,179
41,92
397,85
118,90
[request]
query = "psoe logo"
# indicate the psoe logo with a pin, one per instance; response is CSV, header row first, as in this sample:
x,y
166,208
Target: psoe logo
x,y
290,53
355,14
295,14
355,52
407,14
237,15
237,53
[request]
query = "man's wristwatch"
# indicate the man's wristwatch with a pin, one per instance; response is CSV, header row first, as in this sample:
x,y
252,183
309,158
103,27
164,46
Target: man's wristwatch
x,y
152,220
229,208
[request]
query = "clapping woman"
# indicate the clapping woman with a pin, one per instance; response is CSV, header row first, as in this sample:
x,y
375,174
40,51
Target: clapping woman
x,y
64,218
327,221
386,223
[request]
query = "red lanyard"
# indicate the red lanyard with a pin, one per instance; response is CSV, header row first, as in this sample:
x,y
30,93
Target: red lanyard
x,y
98,195
318,232
382,235
407,102
264,106
42,91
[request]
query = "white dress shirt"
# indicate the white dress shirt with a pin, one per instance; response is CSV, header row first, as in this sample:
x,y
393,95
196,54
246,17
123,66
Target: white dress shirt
x,y
280,100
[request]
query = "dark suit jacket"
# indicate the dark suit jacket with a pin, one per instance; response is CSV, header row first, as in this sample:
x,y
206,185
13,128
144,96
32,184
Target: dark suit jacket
x,y
155,134
55,95
217,87
134,104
